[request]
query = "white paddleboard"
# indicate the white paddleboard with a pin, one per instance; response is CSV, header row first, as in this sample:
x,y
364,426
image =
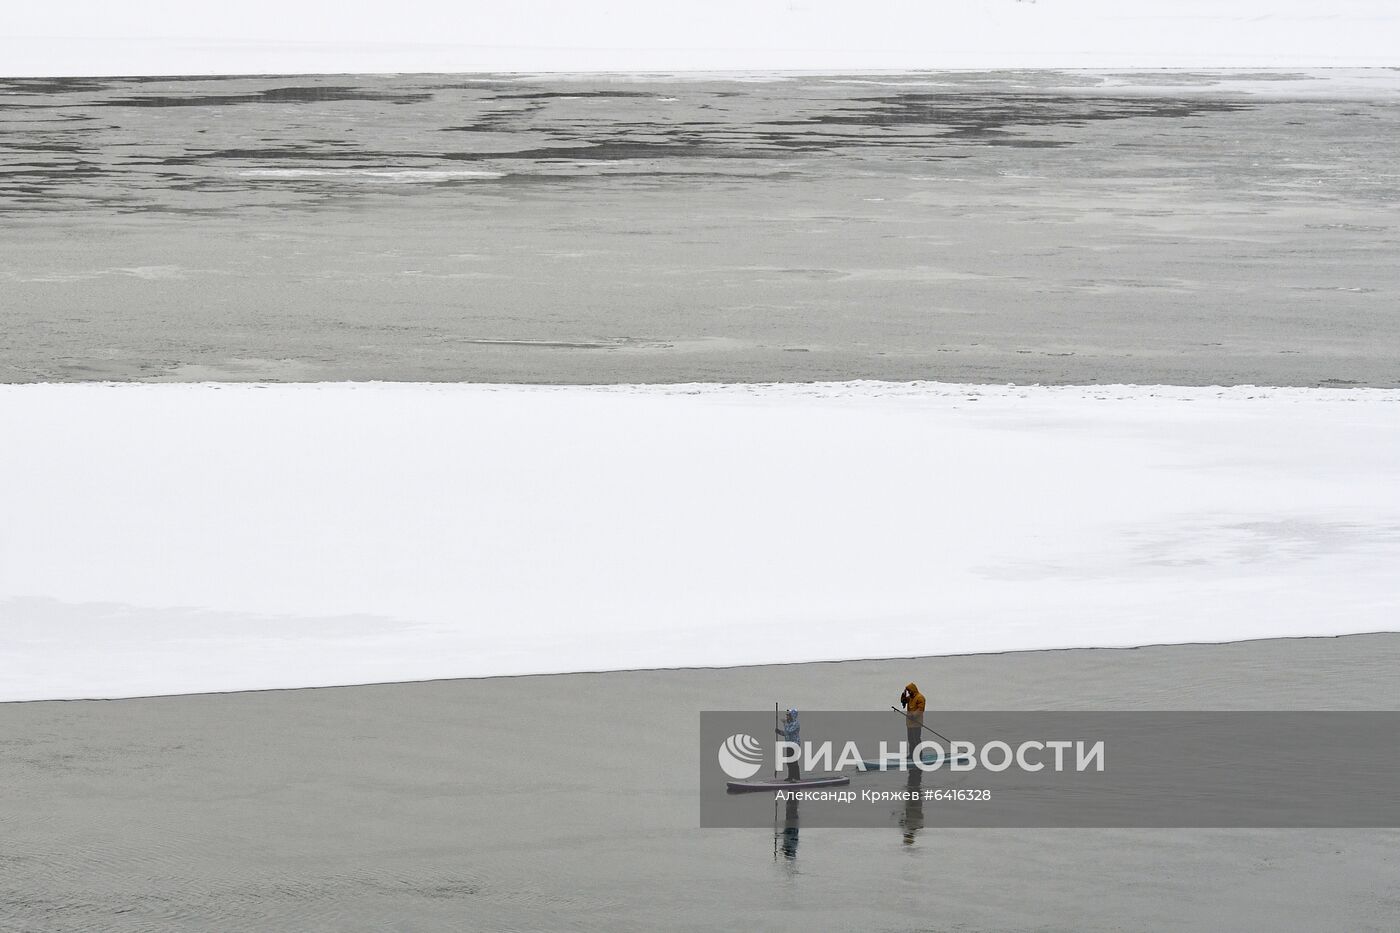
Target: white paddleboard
x,y
834,780
904,764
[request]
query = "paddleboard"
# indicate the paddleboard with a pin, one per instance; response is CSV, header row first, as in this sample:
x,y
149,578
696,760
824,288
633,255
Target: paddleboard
x,y
739,787
903,764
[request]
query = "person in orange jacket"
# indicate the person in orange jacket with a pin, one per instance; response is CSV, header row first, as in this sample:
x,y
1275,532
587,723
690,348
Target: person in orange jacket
x,y
913,702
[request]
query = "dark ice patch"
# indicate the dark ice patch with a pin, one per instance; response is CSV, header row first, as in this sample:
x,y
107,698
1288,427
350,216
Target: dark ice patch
x,y
313,94
548,95
972,115
52,85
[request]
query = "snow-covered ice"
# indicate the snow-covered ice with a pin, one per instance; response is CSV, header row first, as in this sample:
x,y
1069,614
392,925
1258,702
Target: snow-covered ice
x,y
180,538
144,37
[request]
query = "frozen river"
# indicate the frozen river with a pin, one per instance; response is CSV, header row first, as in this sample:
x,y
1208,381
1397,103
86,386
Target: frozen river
x,y
1055,227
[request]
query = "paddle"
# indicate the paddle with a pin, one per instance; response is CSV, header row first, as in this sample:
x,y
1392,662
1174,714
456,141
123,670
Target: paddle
x,y
921,725
777,772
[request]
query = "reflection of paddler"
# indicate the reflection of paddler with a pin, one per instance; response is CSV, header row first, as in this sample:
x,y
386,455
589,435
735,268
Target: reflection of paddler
x,y
913,702
913,819
789,830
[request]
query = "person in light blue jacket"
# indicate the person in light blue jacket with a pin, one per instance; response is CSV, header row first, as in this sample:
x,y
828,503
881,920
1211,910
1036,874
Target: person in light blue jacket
x,y
790,732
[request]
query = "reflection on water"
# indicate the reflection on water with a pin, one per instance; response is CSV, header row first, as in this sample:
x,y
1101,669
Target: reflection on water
x,y
912,819
787,822
785,832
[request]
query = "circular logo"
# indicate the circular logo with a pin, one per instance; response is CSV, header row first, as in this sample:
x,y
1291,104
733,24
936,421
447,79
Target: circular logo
x,y
740,756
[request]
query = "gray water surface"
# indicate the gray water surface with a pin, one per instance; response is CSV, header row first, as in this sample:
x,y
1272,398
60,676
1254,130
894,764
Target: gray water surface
x,y
570,803
985,227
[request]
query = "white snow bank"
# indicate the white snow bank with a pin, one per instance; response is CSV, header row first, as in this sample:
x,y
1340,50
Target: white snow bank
x,y
153,37
180,538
